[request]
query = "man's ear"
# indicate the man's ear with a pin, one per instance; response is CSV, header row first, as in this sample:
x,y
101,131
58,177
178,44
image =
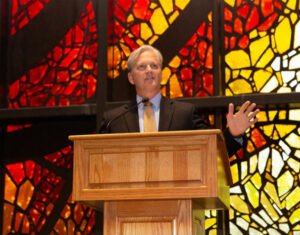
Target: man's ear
x,y
130,79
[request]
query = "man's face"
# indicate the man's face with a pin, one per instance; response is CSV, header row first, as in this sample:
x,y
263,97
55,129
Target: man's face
x,y
146,74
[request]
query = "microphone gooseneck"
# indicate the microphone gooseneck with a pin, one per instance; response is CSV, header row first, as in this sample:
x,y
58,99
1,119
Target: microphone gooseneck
x,y
107,128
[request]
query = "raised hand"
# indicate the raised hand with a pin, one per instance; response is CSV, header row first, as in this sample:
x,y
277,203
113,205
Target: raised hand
x,y
240,121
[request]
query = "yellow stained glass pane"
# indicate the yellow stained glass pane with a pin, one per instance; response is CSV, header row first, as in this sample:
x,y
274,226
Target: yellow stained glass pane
x,y
295,217
268,130
9,190
246,73
239,204
294,165
285,183
158,22
237,59
230,2
175,62
283,36
271,191
240,86
173,17
282,115
292,4
253,163
265,59
146,31
252,194
260,77
181,4
272,115
153,39
256,180
126,50
285,129
293,140
167,6
265,202
293,199
130,18
166,73
257,48
262,116
25,194
235,173
210,222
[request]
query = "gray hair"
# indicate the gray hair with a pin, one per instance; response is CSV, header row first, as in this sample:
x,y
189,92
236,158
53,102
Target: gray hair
x,y
133,57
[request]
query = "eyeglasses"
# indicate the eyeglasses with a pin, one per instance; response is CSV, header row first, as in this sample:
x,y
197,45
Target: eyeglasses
x,y
143,67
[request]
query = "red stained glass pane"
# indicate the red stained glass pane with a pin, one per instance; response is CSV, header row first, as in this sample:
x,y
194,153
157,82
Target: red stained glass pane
x,y
238,26
267,7
29,168
244,42
267,24
17,172
257,138
253,20
141,9
243,11
124,4
34,9
227,14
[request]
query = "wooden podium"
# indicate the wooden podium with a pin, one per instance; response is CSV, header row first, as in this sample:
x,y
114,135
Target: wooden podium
x,y
152,183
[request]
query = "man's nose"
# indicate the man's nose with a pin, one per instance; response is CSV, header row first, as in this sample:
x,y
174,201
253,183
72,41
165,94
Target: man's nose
x,y
148,67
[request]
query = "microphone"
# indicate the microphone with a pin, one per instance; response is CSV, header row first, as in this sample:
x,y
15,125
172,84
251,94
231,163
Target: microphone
x,y
107,127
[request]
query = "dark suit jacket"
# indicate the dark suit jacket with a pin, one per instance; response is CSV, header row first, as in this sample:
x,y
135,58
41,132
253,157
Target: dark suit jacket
x,y
174,116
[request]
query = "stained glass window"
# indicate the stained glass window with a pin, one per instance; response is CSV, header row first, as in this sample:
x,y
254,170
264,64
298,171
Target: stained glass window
x,y
37,192
262,56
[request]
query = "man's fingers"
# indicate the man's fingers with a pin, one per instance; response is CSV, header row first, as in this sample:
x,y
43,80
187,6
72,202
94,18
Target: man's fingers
x,y
230,110
244,106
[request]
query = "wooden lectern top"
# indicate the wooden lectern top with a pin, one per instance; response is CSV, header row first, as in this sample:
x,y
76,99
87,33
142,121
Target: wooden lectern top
x,y
159,165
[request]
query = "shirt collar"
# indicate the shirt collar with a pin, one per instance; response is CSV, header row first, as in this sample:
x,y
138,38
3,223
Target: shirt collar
x,y
155,100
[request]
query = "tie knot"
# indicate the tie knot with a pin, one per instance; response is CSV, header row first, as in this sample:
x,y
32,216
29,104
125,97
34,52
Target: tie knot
x,y
148,103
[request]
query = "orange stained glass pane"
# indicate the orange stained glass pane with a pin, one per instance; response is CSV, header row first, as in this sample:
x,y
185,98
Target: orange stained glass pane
x,y
8,211
10,190
60,227
26,191
19,220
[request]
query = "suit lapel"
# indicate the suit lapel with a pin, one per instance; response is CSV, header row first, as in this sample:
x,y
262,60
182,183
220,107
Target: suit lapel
x,y
166,113
132,119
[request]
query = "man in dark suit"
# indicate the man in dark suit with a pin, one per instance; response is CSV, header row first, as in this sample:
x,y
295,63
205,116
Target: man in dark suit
x,y
145,73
